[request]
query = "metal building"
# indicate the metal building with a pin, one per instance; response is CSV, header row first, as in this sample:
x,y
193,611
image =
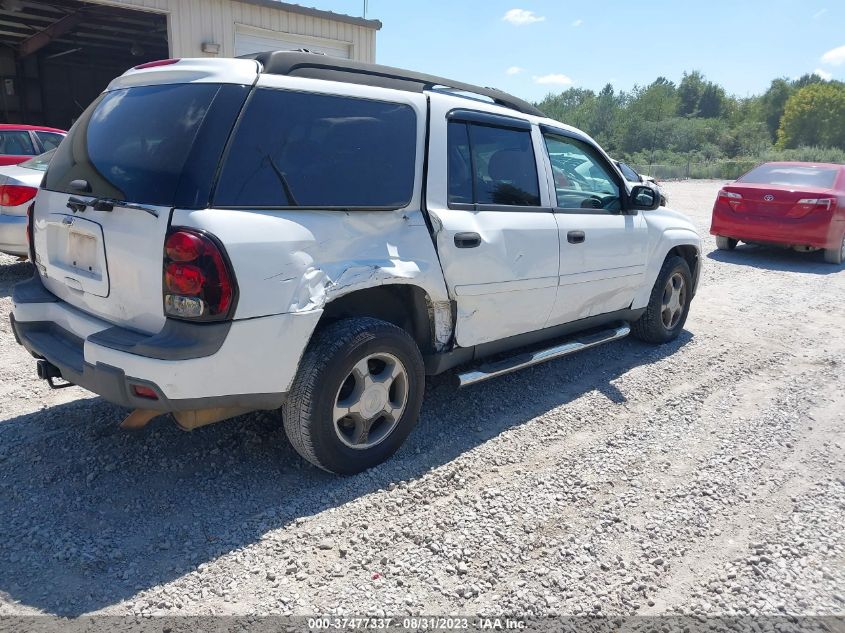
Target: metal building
x,y
57,55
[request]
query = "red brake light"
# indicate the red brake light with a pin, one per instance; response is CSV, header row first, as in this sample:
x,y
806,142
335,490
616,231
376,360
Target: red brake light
x,y
183,279
733,199
158,62
182,246
15,195
203,289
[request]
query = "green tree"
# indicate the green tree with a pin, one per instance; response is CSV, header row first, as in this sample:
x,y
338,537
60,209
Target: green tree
x,y
773,103
689,93
814,115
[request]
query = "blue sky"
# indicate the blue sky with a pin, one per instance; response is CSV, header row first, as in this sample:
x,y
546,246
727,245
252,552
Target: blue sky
x,y
549,45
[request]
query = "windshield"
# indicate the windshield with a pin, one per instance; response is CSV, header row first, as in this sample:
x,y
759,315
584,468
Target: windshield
x,y
40,162
133,144
792,176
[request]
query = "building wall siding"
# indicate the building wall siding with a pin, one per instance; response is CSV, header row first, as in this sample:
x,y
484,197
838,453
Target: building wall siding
x,y
192,22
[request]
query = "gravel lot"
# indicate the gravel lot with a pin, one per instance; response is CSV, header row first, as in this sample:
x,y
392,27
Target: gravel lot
x,y
706,476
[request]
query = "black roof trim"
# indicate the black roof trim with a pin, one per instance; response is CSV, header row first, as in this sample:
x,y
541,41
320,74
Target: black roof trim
x,y
317,66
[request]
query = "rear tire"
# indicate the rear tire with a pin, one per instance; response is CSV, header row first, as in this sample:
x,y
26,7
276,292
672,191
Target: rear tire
x,y
726,243
356,396
835,256
668,305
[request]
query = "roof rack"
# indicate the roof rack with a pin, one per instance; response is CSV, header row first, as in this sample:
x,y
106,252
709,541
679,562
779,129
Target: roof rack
x,y
316,66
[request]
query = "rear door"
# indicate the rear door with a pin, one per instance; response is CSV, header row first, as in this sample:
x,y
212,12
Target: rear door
x,y
139,151
496,235
603,249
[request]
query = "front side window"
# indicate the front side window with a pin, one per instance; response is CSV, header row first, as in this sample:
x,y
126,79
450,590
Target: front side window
x,y
298,149
582,179
16,143
629,174
491,165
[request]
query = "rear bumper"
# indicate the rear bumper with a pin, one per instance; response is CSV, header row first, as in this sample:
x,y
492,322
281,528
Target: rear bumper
x,y
13,235
248,364
814,231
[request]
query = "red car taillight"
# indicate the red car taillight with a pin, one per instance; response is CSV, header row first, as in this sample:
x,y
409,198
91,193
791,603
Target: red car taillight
x,y
30,233
809,205
732,198
198,280
16,195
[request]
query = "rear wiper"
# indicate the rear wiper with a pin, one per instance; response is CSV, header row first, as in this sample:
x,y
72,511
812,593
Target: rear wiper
x,y
77,205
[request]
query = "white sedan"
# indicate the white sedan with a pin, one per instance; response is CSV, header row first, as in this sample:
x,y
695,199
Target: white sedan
x,y
18,186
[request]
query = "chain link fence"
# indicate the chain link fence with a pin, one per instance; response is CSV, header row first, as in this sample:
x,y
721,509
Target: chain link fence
x,y
718,170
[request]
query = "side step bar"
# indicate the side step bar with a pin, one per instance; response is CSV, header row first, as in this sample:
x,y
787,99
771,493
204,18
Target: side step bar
x,y
521,361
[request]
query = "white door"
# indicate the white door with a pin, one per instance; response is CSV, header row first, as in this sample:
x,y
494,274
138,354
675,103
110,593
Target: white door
x,y
603,250
249,40
496,234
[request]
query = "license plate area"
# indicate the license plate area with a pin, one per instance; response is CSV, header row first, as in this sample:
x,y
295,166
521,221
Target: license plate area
x,y
76,254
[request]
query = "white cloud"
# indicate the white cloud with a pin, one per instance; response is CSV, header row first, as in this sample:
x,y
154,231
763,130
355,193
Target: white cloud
x,y
578,22
823,74
521,17
819,14
514,70
558,79
835,56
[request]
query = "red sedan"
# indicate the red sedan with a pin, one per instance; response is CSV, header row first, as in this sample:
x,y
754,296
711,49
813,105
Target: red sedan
x,y
798,205
21,142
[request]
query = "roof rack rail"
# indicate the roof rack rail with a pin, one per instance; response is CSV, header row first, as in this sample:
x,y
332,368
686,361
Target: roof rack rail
x,y
315,66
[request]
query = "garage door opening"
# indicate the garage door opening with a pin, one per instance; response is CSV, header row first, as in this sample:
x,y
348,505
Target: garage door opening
x,y
56,56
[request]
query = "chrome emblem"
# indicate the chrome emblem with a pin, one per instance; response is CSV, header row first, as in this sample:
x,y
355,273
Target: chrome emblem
x,y
768,197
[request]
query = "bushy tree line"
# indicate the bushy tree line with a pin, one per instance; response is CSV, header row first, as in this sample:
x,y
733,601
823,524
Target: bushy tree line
x,y
697,121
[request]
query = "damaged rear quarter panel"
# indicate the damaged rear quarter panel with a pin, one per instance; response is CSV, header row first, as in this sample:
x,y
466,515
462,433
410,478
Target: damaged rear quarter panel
x,y
297,261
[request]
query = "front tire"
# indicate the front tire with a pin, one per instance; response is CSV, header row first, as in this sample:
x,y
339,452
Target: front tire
x,y
356,396
726,243
834,255
668,305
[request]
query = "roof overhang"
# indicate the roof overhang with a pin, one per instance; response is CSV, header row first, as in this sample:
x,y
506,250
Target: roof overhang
x,y
316,13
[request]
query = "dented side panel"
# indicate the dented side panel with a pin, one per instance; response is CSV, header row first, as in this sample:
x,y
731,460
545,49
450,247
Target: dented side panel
x,y
297,261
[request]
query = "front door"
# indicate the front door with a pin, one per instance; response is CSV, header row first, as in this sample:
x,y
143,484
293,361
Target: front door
x,y
603,248
496,235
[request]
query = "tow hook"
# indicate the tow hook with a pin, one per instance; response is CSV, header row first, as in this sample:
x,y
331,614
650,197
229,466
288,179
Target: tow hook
x,y
49,372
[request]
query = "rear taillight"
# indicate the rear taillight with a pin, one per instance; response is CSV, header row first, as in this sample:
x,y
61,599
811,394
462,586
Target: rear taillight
x,y
198,281
16,195
808,205
158,62
732,198
30,232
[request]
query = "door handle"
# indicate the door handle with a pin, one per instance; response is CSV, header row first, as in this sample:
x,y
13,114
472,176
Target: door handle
x,y
575,237
467,240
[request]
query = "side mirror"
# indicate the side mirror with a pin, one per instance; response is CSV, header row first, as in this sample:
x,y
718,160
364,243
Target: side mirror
x,y
644,198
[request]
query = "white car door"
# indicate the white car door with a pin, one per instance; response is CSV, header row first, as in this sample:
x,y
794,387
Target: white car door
x,y
496,234
603,248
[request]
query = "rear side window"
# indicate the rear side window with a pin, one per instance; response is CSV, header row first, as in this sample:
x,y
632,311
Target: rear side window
x,y
491,165
297,149
792,176
49,140
133,144
16,143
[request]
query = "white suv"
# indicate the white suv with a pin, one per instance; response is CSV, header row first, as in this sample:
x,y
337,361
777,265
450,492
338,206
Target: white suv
x,y
294,232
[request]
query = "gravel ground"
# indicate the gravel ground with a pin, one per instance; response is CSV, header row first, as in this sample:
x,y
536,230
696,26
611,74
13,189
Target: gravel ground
x,y
706,476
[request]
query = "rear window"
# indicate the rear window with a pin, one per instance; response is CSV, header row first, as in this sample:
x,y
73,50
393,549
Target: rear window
x,y
792,176
133,144
40,162
294,149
